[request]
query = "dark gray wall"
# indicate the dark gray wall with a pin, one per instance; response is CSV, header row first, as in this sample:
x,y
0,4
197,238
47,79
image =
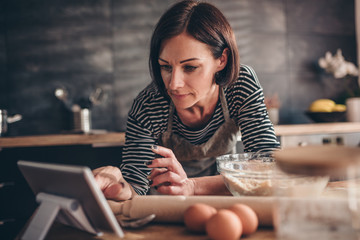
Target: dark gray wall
x,y
86,44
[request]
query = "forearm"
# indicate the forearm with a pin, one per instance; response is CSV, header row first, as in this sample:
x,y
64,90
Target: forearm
x,y
210,185
136,152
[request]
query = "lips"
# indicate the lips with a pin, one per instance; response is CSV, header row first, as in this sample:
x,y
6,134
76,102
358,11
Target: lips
x,y
178,96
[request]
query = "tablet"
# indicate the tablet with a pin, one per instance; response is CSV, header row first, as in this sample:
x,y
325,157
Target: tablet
x,y
70,182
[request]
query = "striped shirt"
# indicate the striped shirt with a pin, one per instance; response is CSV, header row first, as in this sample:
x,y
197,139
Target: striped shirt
x,y
148,118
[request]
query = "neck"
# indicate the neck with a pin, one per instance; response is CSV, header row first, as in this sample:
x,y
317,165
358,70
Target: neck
x,y
199,115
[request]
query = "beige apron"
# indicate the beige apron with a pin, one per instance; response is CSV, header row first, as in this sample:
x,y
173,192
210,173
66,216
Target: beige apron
x,y
199,160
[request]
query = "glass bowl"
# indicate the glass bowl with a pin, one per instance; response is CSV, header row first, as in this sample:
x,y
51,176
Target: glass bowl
x,y
256,174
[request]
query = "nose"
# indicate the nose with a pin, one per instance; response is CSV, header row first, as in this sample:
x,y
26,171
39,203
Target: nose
x,y
177,80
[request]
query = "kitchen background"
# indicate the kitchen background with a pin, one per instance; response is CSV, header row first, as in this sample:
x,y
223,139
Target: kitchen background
x,y
85,44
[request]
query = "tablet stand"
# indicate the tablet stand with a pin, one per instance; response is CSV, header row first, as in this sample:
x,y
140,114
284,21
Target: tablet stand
x,y
52,206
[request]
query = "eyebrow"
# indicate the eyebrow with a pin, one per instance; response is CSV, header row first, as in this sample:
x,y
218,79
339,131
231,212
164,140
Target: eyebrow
x,y
186,60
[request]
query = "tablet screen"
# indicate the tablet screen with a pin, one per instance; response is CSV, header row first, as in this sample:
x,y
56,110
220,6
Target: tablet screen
x,y
76,182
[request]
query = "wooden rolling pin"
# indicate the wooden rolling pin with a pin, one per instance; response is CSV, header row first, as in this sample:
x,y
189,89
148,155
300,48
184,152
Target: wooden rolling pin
x,y
171,208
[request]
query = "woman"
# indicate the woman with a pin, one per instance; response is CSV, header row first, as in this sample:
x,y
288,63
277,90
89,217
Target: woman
x,y
199,99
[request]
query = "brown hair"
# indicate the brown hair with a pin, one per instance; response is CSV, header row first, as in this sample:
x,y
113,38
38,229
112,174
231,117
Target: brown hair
x,y
206,24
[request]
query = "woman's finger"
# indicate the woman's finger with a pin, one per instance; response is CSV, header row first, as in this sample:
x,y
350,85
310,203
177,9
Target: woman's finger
x,y
156,171
167,178
163,151
117,192
161,163
106,176
169,163
112,184
185,188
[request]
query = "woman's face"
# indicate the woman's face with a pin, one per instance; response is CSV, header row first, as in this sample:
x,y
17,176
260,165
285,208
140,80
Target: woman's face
x,y
187,69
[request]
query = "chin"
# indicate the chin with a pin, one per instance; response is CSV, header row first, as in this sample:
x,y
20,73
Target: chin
x,y
182,104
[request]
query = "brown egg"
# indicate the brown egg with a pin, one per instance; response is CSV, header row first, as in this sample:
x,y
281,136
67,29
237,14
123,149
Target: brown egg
x,y
247,217
225,224
196,215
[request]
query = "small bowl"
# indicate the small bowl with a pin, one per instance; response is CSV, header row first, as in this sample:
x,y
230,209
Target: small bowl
x,y
253,174
326,116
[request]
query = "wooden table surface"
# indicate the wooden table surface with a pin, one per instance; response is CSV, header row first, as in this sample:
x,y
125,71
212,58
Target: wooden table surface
x,y
154,231
169,231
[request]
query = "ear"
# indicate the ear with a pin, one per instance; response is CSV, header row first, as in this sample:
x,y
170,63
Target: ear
x,y
223,60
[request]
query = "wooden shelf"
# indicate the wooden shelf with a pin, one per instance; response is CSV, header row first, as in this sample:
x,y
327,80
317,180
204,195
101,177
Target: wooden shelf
x,y
97,140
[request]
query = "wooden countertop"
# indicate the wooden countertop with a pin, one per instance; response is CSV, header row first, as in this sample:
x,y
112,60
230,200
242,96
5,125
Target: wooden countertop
x,y
153,231
101,139
116,139
177,231
317,128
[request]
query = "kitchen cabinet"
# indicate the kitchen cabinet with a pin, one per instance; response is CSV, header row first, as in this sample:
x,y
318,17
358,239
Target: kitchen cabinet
x,y
344,133
293,135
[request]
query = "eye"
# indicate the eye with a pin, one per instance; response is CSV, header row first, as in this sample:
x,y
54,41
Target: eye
x,y
189,68
166,68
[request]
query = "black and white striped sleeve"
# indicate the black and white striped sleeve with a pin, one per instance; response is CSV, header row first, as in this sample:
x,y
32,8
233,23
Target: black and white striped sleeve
x,y
257,131
136,152
146,120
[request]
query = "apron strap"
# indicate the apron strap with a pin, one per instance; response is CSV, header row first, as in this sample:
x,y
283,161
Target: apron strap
x,y
224,105
171,117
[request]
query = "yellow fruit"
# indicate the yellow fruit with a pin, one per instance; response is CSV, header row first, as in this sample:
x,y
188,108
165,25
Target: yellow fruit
x,y
322,105
339,108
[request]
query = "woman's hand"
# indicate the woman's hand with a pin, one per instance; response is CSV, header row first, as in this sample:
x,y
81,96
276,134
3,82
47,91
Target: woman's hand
x,y
167,174
112,183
